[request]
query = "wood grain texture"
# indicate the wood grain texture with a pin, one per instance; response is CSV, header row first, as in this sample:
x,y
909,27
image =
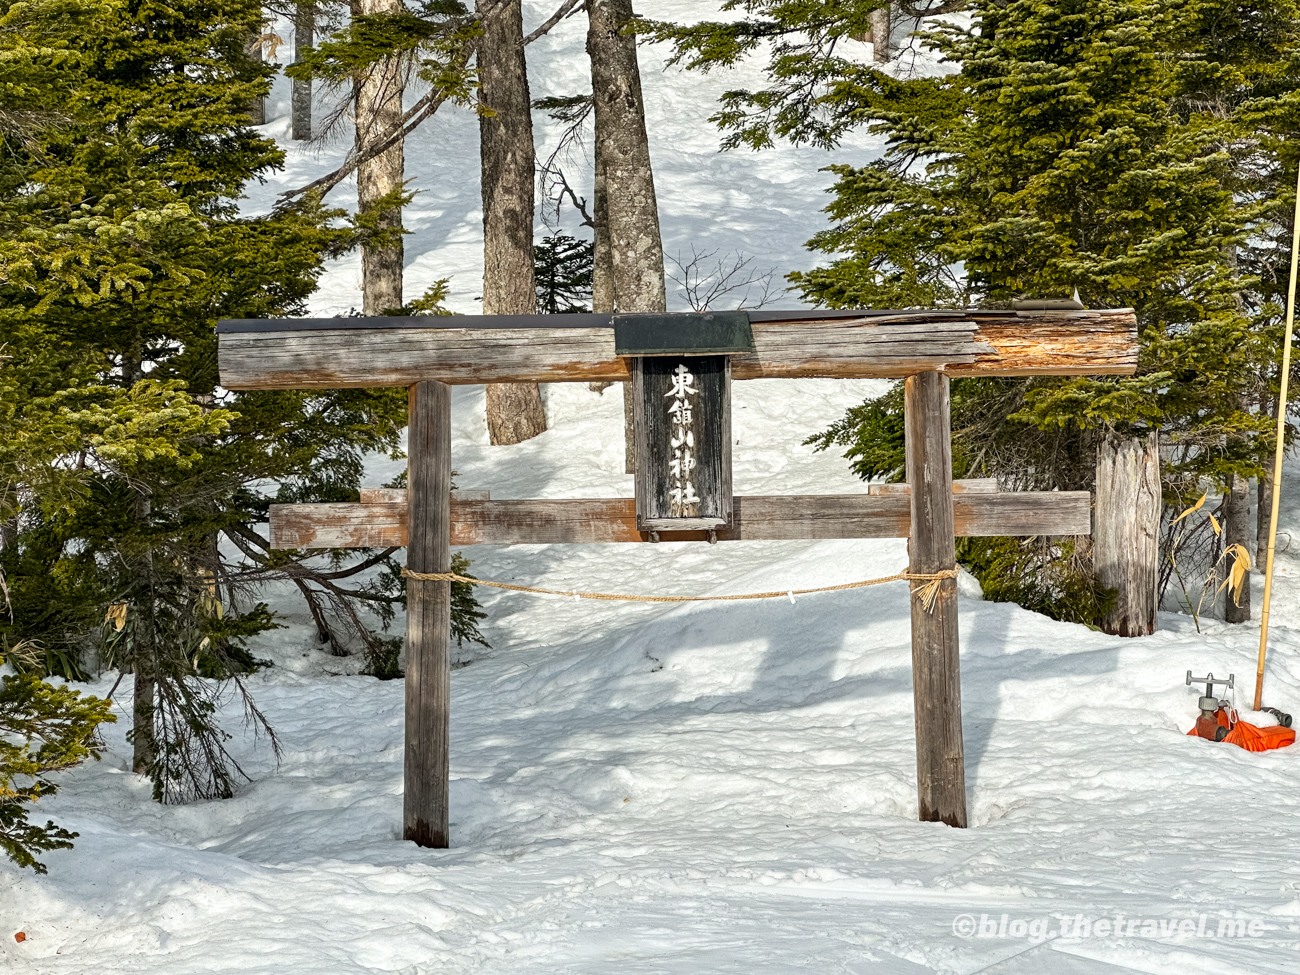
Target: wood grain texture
x,y
613,520
879,346
1126,550
653,434
969,485
398,495
427,794
936,667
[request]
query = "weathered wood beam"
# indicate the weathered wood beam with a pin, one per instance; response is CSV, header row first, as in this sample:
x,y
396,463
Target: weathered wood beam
x,y
587,521
936,674
325,354
976,485
969,485
398,495
427,767
1126,548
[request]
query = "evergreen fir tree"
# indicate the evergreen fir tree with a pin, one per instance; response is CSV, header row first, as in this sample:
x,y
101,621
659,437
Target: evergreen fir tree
x,y
1111,146
564,267
144,490
43,729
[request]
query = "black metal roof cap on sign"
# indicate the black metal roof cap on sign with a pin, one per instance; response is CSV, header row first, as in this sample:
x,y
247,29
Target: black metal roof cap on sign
x,y
237,325
702,333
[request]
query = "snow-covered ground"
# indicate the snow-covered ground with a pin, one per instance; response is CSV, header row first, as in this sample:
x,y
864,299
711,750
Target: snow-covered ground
x,y
698,789
708,788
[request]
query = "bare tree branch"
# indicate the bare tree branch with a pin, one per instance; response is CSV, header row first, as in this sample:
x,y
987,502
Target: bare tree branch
x,y
554,185
936,10
566,9
703,287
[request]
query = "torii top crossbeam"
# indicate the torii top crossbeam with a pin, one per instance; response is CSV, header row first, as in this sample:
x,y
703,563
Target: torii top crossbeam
x,y
331,353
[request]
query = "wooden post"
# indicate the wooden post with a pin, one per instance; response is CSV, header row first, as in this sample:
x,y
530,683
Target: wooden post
x,y
936,672
1126,538
428,617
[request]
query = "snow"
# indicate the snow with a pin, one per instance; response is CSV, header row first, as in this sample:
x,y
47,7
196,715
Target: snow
x,y
705,788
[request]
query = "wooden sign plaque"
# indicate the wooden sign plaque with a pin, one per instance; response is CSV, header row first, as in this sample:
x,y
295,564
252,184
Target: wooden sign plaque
x,y
682,427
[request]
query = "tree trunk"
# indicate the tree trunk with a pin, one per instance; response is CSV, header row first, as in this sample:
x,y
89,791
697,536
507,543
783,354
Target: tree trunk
x,y
514,411
1126,547
882,26
143,652
602,269
144,666
304,37
143,748
1236,531
622,145
1263,511
602,276
257,110
378,110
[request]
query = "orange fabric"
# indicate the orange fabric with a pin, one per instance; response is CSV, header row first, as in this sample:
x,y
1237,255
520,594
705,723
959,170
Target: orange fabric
x,y
1245,735
1255,739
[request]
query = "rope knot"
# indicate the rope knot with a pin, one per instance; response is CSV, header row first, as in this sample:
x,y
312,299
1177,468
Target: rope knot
x,y
929,592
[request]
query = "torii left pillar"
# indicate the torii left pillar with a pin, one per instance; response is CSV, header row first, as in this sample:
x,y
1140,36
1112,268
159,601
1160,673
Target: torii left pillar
x,y
428,618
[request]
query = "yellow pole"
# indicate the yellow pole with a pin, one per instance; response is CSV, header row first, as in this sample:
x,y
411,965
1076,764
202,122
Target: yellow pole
x,y
1277,457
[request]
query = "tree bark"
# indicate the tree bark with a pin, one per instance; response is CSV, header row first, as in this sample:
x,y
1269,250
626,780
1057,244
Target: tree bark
x,y
144,658
304,37
143,651
256,110
1263,510
602,276
514,411
602,270
143,748
623,146
1126,547
378,112
882,26
1236,531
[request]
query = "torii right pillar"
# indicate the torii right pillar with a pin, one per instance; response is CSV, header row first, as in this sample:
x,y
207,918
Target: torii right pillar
x,y
932,547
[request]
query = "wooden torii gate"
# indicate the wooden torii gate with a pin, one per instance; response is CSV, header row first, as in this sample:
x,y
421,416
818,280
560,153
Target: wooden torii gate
x,y
428,355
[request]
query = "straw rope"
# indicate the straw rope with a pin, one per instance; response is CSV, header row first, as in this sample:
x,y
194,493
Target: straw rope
x,y
927,592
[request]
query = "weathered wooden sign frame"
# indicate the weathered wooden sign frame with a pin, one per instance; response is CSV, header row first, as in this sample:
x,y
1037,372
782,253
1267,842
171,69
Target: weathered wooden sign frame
x,y
429,355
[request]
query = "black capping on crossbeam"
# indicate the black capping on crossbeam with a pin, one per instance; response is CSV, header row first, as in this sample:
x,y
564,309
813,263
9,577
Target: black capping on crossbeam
x,y
237,325
700,333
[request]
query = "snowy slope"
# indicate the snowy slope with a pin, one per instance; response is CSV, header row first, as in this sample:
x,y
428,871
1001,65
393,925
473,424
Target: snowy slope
x,y
700,789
